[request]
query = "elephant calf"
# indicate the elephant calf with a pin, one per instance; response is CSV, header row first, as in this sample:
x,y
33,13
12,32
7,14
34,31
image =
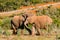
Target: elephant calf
x,y
18,22
38,22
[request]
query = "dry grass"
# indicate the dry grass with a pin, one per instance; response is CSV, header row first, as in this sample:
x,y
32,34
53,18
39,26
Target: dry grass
x,y
52,36
29,37
14,37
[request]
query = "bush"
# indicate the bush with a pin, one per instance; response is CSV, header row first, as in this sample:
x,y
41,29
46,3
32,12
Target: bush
x,y
1,22
6,23
9,5
1,31
7,33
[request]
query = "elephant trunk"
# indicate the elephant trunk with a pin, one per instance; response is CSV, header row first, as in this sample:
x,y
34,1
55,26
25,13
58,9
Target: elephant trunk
x,y
30,32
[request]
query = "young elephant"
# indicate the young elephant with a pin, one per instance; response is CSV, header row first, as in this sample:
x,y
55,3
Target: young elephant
x,y
18,22
38,22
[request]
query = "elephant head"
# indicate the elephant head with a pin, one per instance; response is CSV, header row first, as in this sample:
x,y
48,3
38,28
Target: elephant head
x,y
26,15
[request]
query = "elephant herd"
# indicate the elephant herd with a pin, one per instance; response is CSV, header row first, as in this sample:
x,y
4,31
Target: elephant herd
x,y
38,22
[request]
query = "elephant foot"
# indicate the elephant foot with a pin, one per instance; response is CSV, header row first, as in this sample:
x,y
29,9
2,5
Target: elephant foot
x,y
32,34
42,34
14,32
22,32
39,34
33,31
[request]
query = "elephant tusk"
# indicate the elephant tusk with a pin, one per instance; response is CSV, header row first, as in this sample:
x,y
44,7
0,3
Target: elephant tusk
x,y
26,24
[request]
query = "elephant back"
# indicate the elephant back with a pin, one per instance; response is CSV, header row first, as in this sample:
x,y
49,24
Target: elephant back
x,y
31,19
26,15
16,20
44,20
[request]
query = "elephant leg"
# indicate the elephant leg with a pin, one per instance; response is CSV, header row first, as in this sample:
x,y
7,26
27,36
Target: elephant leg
x,y
48,30
13,27
37,26
14,30
22,31
33,30
38,30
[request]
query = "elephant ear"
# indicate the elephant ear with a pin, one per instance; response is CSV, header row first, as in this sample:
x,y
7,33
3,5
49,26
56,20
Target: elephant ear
x,y
25,16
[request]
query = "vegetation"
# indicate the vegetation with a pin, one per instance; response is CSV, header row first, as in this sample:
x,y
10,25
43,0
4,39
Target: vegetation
x,y
9,5
5,23
53,13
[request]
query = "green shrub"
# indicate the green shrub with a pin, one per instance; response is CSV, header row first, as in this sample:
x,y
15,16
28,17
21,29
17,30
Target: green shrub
x,y
7,33
6,24
9,5
1,31
1,22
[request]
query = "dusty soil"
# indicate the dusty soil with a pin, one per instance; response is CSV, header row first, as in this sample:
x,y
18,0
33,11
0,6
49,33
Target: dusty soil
x,y
51,36
21,37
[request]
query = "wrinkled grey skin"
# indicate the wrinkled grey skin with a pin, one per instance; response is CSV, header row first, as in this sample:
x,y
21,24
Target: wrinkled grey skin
x,y
38,22
18,22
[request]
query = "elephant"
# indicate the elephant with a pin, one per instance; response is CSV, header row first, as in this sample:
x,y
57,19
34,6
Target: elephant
x,y
18,22
38,22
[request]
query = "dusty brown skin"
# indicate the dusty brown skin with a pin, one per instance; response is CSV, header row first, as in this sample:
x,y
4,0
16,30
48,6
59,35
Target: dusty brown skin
x,y
18,22
38,22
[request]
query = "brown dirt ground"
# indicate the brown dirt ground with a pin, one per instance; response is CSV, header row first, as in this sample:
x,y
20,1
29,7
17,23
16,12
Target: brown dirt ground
x,y
14,37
